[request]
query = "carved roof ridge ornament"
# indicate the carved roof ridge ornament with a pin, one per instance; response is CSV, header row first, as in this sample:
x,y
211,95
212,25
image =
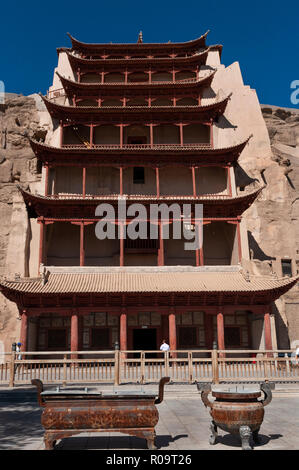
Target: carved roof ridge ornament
x,y
193,42
45,273
140,38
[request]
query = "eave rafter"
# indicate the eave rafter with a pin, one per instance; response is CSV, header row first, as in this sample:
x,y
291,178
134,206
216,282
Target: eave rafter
x,y
111,289
76,206
91,64
72,87
148,156
91,114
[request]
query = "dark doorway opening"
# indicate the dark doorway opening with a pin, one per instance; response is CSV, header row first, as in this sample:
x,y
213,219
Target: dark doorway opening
x,y
57,339
145,339
137,140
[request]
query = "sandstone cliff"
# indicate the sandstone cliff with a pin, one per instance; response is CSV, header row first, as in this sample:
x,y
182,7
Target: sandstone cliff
x,y
20,117
273,221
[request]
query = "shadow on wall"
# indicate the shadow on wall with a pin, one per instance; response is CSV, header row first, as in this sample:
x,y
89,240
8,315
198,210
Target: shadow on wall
x,y
283,341
256,324
224,123
255,251
242,178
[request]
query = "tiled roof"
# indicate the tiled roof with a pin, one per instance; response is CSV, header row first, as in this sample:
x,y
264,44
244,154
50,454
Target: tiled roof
x,y
149,282
211,110
71,84
196,57
201,149
138,46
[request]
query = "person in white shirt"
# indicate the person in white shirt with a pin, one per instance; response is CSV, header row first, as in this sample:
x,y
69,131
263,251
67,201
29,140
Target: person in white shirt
x,y
18,349
164,346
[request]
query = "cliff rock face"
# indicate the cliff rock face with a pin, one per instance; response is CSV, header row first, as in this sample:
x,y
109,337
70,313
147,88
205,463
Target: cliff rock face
x,y
20,117
272,221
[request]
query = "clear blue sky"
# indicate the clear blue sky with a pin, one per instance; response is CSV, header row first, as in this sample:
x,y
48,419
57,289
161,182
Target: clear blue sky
x,y
263,36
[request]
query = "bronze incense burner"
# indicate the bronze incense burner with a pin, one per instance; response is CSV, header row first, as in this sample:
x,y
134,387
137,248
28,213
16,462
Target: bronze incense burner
x,y
70,412
236,409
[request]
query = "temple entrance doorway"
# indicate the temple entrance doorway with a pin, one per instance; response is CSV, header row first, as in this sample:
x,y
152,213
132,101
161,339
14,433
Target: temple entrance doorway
x,y
145,339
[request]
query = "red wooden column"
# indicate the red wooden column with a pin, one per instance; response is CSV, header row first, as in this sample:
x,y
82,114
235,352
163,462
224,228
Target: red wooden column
x,y
229,182
24,330
121,135
220,332
41,242
157,181
121,245
60,133
121,180
199,255
193,181
47,180
91,135
84,181
74,334
151,135
239,240
82,250
173,75
181,134
123,330
172,330
267,331
161,245
211,134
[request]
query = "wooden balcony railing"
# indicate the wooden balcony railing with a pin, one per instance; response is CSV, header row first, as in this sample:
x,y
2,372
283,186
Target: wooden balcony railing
x,y
120,367
52,94
199,145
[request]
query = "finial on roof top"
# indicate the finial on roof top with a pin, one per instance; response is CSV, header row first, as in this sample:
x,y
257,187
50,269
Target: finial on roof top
x,y
140,38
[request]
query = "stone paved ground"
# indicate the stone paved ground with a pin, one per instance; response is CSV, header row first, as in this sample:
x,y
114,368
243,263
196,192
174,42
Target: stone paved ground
x,y
183,424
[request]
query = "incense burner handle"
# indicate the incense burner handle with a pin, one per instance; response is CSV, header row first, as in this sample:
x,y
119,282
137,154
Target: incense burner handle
x,y
205,390
162,382
39,385
265,387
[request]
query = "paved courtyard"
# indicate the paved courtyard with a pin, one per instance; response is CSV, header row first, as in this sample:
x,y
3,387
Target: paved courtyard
x,y
183,424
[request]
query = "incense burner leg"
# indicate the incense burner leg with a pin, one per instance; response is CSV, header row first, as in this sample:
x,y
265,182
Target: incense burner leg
x,y
49,441
150,439
255,436
214,435
245,434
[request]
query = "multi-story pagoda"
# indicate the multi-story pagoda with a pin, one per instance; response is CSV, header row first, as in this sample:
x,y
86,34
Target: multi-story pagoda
x,y
151,123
